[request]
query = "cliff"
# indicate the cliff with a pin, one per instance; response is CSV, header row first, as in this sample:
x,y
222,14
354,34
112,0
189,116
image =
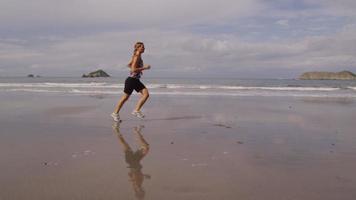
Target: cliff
x,y
344,75
98,73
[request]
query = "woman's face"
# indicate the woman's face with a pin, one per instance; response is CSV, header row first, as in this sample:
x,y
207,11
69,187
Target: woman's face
x,y
141,49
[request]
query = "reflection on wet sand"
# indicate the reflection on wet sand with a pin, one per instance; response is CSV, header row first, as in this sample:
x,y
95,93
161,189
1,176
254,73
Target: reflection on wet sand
x,y
133,159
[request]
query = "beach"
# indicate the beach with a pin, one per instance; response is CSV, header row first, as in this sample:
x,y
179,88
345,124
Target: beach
x,y
248,100
62,146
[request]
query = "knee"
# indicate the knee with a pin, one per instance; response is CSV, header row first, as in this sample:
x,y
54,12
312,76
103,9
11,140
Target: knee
x,y
145,149
125,97
146,95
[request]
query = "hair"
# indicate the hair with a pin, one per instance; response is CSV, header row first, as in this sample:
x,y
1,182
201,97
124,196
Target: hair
x,y
136,46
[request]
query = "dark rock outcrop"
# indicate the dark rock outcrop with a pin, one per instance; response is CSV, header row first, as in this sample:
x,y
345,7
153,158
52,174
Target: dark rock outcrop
x,y
98,73
343,75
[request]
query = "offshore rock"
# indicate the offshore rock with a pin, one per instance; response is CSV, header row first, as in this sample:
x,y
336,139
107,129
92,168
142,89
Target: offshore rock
x,y
97,73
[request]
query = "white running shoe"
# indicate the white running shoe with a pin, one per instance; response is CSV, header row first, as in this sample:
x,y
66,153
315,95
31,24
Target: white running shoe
x,y
116,117
138,114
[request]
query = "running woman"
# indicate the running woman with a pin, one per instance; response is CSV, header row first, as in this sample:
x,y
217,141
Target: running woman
x,y
133,83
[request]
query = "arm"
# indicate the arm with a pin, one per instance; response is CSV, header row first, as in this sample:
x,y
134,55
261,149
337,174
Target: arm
x,y
134,67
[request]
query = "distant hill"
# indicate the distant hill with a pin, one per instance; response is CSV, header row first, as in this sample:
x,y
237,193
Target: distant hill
x,y
97,73
343,75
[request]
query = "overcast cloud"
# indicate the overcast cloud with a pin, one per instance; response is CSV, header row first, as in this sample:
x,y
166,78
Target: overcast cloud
x,y
234,38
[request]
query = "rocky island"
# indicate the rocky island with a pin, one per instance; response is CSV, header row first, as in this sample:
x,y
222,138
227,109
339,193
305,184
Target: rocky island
x,y
343,75
33,76
97,73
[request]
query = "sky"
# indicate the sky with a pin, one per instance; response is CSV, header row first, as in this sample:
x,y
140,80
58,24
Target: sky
x,y
185,38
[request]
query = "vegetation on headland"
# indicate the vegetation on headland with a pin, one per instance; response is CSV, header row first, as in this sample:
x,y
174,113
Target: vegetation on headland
x,y
343,75
97,73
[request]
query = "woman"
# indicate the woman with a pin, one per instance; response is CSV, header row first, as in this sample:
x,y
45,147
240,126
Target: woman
x,y
133,83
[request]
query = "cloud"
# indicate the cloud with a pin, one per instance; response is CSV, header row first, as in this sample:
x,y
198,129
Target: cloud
x,y
294,9
234,38
176,52
283,22
338,8
10,51
131,13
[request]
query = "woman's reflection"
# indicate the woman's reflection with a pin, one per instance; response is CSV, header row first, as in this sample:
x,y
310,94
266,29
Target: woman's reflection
x,y
133,159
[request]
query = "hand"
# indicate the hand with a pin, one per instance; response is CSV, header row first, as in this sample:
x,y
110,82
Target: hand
x,y
148,67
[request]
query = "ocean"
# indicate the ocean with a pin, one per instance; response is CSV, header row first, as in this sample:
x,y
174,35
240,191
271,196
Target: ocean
x,y
184,86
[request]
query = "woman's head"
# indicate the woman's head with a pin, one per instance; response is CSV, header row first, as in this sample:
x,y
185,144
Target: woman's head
x,y
140,47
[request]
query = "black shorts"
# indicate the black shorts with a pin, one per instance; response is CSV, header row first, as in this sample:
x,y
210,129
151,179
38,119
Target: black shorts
x,y
133,84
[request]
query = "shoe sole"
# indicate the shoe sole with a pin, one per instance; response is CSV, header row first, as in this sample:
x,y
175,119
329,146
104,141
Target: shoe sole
x,y
138,116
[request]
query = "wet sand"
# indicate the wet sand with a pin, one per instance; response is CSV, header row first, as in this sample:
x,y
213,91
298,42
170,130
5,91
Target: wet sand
x,y
56,146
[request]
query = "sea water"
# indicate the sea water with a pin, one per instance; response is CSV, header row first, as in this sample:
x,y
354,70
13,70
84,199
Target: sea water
x,y
184,86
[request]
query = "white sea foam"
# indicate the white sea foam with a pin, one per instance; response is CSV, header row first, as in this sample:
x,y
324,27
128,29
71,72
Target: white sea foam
x,y
294,88
181,89
70,85
31,90
191,93
162,86
262,94
156,86
226,87
93,92
62,85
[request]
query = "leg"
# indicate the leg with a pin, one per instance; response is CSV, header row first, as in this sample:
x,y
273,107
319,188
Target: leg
x,y
144,146
125,146
121,102
122,141
142,100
